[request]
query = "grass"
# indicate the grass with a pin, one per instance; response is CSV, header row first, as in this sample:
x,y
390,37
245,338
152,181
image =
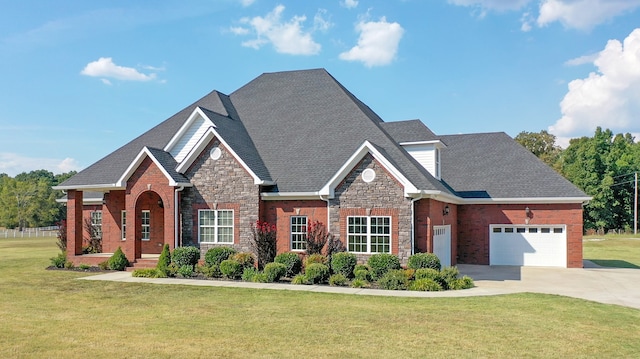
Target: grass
x,y
622,251
51,314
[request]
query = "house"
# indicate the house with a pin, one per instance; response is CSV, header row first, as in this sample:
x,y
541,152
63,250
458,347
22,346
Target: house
x,y
294,147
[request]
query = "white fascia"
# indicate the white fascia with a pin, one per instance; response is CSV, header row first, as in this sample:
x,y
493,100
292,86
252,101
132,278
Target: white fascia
x,y
144,153
209,135
540,200
437,143
358,155
289,196
105,187
197,112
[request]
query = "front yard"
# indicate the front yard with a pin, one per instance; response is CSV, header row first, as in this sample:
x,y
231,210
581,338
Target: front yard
x,y
50,314
622,251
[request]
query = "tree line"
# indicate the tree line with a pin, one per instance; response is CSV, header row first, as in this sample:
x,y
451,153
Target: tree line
x,y
28,199
603,166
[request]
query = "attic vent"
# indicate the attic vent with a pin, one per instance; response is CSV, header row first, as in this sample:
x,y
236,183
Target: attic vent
x,y
368,175
215,153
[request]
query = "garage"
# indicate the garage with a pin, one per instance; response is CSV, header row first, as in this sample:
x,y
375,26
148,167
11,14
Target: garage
x,y
526,245
442,244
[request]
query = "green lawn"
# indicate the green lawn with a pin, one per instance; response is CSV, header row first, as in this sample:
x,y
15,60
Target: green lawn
x,y
50,314
622,251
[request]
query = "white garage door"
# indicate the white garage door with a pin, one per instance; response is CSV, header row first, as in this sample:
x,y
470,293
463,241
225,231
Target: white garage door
x,y
544,246
442,244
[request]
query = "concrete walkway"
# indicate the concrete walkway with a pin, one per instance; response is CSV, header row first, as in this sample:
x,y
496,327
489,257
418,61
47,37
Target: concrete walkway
x,y
605,285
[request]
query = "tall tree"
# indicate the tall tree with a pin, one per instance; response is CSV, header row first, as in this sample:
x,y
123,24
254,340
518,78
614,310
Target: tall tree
x,y
542,144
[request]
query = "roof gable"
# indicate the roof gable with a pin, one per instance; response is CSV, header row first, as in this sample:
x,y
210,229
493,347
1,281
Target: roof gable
x,y
163,160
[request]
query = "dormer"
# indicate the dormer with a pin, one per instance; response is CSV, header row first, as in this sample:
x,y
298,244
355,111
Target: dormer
x,y
427,153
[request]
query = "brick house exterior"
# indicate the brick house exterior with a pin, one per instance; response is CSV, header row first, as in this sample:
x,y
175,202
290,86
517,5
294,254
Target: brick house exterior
x,y
291,148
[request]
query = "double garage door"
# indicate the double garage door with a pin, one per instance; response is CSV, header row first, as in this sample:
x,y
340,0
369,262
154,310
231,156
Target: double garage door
x,y
544,246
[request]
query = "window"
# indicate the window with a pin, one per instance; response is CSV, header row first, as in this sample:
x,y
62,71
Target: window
x,y
533,230
123,224
557,230
497,230
521,230
146,225
298,233
96,224
215,226
437,162
369,234
508,230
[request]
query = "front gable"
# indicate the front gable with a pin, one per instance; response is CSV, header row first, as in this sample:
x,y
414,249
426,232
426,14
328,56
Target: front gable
x,y
159,159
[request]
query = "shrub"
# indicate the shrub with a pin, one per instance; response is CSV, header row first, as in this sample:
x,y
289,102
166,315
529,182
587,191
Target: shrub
x,y
338,280
212,271
359,283
315,258
261,277
245,259
249,273
381,263
360,267
317,273
424,260
461,283
186,256
300,279
425,284
148,273
291,261
104,265
62,235
164,260
362,274
83,266
59,260
275,271
263,242
186,271
317,237
69,265
395,279
172,270
231,268
344,263
118,260
216,255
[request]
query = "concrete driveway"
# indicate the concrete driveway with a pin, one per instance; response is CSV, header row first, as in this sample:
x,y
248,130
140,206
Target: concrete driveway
x,y
605,285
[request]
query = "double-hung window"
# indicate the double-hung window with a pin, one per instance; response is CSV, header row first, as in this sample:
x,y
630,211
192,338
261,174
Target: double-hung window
x,y
146,225
123,224
215,226
298,233
369,234
96,224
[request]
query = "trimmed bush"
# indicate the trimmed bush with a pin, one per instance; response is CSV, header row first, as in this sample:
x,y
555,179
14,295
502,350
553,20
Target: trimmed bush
x,y
425,284
461,283
300,279
231,268
186,271
359,283
292,261
261,277
185,256
362,274
164,260
249,273
338,280
428,273
449,273
381,263
344,263
315,259
210,271
60,260
69,265
424,260
360,267
172,270
216,255
118,260
275,271
245,259
104,265
395,279
148,273
317,273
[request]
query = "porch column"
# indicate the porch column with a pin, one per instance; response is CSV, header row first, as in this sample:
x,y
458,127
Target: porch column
x,y
74,223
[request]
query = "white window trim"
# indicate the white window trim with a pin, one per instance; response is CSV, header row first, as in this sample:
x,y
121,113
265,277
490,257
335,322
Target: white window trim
x,y
368,234
216,227
145,225
123,225
292,233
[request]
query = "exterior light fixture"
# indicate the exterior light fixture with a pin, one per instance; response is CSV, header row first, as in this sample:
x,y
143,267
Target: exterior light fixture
x,y
160,204
527,212
446,210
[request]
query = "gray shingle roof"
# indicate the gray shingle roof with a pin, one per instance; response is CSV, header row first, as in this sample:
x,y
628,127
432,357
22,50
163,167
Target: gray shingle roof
x,y
493,165
408,131
169,164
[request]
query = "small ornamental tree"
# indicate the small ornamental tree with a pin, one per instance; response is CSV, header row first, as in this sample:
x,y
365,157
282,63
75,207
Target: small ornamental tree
x,y
263,242
317,237
62,235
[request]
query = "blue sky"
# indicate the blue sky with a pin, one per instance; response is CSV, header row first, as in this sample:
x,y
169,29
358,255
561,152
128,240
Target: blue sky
x,y
78,79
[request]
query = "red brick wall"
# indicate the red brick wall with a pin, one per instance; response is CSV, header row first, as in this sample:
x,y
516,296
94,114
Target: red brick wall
x,y
280,213
474,221
112,221
429,213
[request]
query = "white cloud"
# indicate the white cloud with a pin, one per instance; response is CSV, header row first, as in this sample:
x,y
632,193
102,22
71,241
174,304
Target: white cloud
x,y
320,22
239,30
105,67
246,3
607,97
286,37
583,14
13,164
349,4
500,5
377,44
527,20
582,60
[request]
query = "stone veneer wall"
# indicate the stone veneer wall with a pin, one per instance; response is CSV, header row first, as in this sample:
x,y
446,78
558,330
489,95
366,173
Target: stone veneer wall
x,y
384,196
224,184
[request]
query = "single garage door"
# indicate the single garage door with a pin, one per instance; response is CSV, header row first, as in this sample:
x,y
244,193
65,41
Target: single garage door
x,y
544,246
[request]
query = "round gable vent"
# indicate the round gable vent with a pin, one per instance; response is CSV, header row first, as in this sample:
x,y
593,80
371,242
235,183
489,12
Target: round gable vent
x,y
215,153
368,175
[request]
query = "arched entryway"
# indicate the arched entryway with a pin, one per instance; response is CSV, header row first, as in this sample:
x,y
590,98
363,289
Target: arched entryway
x,y
150,223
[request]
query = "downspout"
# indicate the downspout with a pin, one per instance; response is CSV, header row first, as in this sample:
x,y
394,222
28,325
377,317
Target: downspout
x,y
413,224
176,216
328,214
